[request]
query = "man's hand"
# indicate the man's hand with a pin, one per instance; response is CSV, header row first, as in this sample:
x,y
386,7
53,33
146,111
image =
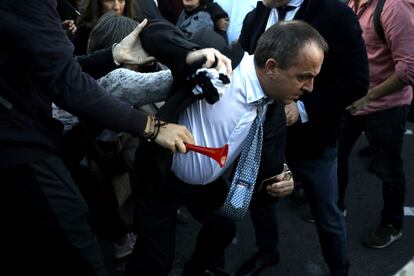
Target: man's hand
x,y
211,57
173,137
129,50
358,105
69,26
282,186
292,113
391,85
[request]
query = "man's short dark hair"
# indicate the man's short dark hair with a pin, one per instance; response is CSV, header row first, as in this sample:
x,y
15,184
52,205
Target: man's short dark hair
x,y
284,40
110,28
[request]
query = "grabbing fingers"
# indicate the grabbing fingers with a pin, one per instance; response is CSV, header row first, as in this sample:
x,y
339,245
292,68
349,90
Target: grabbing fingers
x,y
211,59
280,189
173,137
185,137
69,26
180,146
216,59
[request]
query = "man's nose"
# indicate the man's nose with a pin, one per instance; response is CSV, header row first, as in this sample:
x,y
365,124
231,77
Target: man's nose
x,y
308,85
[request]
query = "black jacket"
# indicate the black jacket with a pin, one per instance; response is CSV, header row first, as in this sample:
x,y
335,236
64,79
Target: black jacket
x,y
342,80
37,67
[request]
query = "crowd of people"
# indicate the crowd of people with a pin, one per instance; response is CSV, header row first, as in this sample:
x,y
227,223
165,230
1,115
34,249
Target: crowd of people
x,y
100,98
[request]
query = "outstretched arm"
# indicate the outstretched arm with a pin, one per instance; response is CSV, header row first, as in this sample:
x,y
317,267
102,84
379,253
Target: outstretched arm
x,y
160,39
33,29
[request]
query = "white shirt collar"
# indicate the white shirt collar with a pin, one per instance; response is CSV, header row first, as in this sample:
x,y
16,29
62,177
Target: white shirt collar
x,y
254,91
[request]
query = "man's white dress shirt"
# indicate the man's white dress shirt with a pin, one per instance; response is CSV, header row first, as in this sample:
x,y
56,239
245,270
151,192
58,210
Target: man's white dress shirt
x,y
227,121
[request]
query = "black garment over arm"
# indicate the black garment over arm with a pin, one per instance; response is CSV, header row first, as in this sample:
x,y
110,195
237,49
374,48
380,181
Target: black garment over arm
x,y
167,43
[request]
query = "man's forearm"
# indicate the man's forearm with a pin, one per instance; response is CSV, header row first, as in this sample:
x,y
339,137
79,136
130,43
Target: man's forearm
x,y
392,84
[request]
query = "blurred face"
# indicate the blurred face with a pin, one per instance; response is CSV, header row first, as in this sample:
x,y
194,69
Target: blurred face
x,y
286,85
118,6
191,4
275,3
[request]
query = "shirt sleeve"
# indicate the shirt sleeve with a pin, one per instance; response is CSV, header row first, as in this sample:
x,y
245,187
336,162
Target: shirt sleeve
x,y
302,112
398,24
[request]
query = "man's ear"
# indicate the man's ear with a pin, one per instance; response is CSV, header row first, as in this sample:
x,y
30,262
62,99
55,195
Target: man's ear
x,y
271,67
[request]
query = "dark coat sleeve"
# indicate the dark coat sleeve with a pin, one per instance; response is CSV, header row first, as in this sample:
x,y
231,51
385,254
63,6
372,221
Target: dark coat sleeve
x,y
254,25
80,40
97,64
168,44
33,29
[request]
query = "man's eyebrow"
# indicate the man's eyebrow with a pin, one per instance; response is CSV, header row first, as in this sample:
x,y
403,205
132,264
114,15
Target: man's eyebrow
x,y
307,75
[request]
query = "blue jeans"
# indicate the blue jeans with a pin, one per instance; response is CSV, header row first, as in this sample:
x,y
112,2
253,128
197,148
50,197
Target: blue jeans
x,y
385,133
319,179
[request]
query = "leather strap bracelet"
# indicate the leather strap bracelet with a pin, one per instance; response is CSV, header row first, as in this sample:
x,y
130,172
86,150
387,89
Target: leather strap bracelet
x,y
154,128
158,125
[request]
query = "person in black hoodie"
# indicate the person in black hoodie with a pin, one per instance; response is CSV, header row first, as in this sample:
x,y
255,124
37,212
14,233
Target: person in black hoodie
x,y
44,229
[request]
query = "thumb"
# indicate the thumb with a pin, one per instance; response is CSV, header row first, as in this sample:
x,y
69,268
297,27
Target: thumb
x,y
279,177
141,26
